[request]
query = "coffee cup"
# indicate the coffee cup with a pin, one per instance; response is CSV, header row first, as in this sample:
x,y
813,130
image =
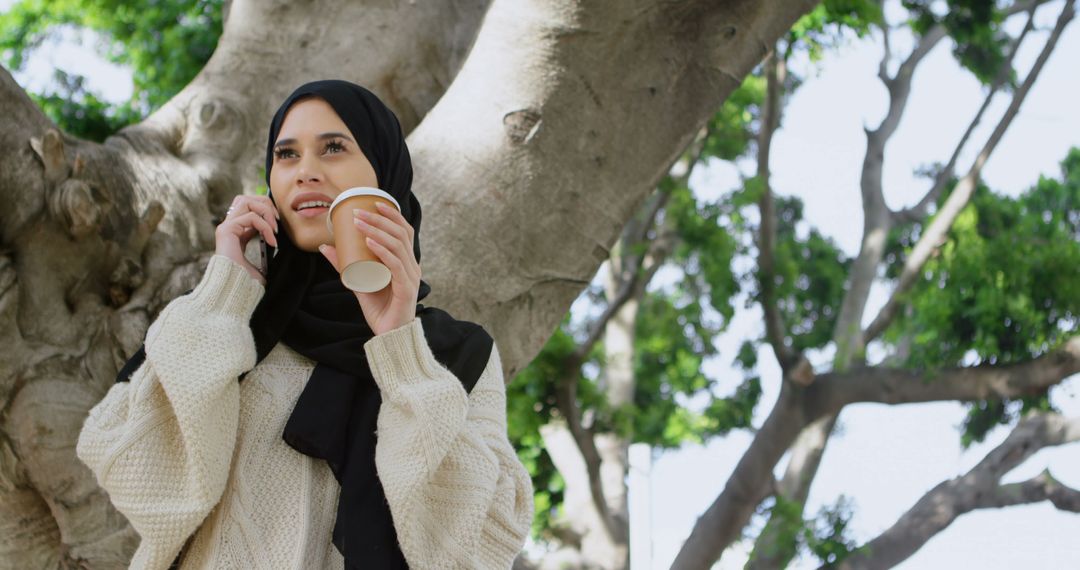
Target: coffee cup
x,y
361,270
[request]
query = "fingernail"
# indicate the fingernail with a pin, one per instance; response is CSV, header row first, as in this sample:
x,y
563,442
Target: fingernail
x,y
381,206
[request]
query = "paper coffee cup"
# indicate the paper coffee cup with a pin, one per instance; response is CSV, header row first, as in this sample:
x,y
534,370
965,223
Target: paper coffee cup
x,y
362,271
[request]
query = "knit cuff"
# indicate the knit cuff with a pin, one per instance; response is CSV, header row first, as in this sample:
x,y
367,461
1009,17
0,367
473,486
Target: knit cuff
x,y
402,356
227,288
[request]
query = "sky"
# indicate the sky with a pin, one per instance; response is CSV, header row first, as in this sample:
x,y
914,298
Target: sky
x,y
886,457
882,458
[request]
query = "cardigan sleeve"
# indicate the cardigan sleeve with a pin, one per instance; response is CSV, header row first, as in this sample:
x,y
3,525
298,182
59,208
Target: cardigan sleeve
x,y
161,444
458,494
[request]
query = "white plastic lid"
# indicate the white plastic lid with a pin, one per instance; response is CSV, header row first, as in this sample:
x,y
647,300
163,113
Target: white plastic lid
x,y
358,191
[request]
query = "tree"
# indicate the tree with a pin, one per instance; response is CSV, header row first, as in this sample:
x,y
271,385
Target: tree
x,y
509,109
617,378
584,390
804,416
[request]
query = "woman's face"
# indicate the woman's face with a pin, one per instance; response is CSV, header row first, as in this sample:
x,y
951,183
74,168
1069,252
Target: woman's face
x,y
315,159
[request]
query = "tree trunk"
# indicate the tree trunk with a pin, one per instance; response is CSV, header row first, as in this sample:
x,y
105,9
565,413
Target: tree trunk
x,y
849,337
528,142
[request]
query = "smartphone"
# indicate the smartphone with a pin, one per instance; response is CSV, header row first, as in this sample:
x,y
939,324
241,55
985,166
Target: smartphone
x,y
263,266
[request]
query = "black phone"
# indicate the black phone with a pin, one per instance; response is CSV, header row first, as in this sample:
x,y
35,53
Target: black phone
x,y
263,266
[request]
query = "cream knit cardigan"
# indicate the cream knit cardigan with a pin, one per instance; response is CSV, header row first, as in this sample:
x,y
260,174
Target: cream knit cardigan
x,y
190,455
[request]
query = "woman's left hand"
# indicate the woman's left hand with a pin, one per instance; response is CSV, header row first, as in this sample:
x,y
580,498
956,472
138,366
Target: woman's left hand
x,y
390,237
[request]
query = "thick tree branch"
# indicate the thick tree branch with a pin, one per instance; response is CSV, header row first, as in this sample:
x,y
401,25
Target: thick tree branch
x,y
532,123
935,233
886,55
922,209
632,274
1042,487
850,341
636,231
810,446
899,85
833,391
876,214
749,484
979,488
731,502
1045,488
775,70
552,132
633,271
566,399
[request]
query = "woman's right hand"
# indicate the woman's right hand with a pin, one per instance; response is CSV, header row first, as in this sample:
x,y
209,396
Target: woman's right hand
x,y
247,217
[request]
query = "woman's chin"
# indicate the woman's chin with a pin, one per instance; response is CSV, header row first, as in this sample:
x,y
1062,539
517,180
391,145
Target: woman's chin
x,y
310,246
309,243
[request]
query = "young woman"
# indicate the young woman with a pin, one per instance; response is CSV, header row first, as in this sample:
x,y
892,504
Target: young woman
x,y
287,422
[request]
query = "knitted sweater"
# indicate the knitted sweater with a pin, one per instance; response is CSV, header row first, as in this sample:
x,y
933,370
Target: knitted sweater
x,y
191,456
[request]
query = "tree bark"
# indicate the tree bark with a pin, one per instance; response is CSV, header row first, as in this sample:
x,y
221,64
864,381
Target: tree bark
x,y
849,338
895,386
936,230
595,466
599,77
979,488
809,447
98,237
796,407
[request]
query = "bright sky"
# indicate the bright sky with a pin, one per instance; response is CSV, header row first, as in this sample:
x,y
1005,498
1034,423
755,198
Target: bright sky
x,y
883,458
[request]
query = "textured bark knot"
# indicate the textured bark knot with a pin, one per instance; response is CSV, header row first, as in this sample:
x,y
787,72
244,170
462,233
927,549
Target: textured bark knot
x,y
75,204
522,125
215,129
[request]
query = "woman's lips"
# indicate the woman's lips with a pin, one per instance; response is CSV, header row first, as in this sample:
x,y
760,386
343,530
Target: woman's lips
x,y
312,212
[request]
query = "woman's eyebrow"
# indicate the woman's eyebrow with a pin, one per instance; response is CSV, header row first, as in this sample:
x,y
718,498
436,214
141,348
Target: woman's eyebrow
x,y
324,136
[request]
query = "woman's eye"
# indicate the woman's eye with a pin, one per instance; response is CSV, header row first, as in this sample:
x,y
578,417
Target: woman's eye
x,y
281,153
334,147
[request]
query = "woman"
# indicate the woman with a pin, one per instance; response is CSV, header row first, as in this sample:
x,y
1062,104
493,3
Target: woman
x,y
365,431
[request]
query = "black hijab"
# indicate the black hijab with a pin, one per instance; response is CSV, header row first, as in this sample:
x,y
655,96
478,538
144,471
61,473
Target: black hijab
x,y
307,307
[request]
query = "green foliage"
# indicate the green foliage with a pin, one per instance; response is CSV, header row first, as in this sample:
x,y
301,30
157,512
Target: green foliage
x,y
810,270
825,536
674,335
1005,282
824,27
747,356
1003,288
785,516
974,25
731,128
671,344
80,112
164,42
530,400
705,250
811,274
984,416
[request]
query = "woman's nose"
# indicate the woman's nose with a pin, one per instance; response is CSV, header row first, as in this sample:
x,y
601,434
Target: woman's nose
x,y
308,171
